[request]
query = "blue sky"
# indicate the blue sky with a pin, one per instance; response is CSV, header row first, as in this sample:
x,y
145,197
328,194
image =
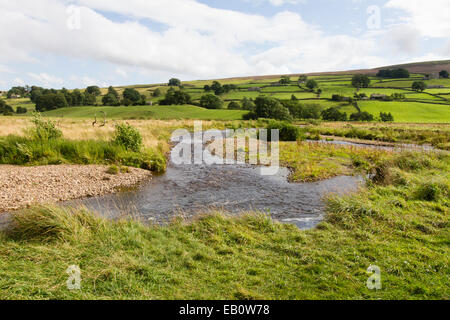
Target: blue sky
x,y
60,43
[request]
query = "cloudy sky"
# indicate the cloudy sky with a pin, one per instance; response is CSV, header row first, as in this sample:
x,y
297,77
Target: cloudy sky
x,y
59,43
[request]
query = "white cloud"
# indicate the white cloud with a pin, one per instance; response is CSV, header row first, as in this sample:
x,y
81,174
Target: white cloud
x,y
278,3
429,18
197,41
45,79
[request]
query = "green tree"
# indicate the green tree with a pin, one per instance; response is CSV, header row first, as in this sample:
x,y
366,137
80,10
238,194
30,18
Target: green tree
x,y
419,86
51,101
132,95
312,84
174,82
271,108
333,114
114,92
360,81
443,74
211,101
233,105
5,109
285,80
89,99
176,97
94,90
248,104
361,116
110,100
157,93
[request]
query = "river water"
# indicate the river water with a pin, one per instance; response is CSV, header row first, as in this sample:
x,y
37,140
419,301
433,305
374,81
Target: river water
x,y
188,189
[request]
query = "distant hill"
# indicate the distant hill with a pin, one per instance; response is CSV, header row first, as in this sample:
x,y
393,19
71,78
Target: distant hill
x,y
428,67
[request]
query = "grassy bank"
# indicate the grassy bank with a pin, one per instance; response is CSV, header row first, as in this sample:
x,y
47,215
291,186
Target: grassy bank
x,y
399,222
44,144
311,161
437,135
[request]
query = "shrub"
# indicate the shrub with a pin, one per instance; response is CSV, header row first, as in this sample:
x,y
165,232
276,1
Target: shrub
x,y
386,117
21,110
250,116
233,105
288,132
361,116
128,137
211,101
271,108
333,114
44,129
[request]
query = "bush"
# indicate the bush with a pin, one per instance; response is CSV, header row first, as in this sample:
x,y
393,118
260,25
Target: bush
x,y
288,132
21,110
271,108
250,116
211,101
44,129
5,109
333,114
386,117
128,137
361,116
233,105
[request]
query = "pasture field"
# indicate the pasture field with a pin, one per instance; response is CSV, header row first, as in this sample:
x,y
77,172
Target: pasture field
x,y
148,112
430,106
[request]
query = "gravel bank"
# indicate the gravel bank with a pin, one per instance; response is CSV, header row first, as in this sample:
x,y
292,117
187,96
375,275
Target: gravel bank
x,y
23,186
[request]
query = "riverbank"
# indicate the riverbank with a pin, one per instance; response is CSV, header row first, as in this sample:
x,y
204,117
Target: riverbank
x,y
24,186
398,222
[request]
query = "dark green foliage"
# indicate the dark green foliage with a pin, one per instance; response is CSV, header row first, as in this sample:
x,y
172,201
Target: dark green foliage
x,y
5,109
51,101
250,116
128,137
21,91
89,99
419,86
114,92
176,97
211,101
110,100
21,110
361,116
133,96
312,84
303,111
157,93
248,104
174,82
233,105
94,90
333,114
360,81
285,80
386,117
443,74
288,132
393,73
271,108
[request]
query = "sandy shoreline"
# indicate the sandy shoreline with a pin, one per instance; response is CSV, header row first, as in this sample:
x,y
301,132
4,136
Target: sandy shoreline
x,y
24,186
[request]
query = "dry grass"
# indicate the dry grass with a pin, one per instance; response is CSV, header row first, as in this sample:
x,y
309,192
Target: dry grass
x,y
154,132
